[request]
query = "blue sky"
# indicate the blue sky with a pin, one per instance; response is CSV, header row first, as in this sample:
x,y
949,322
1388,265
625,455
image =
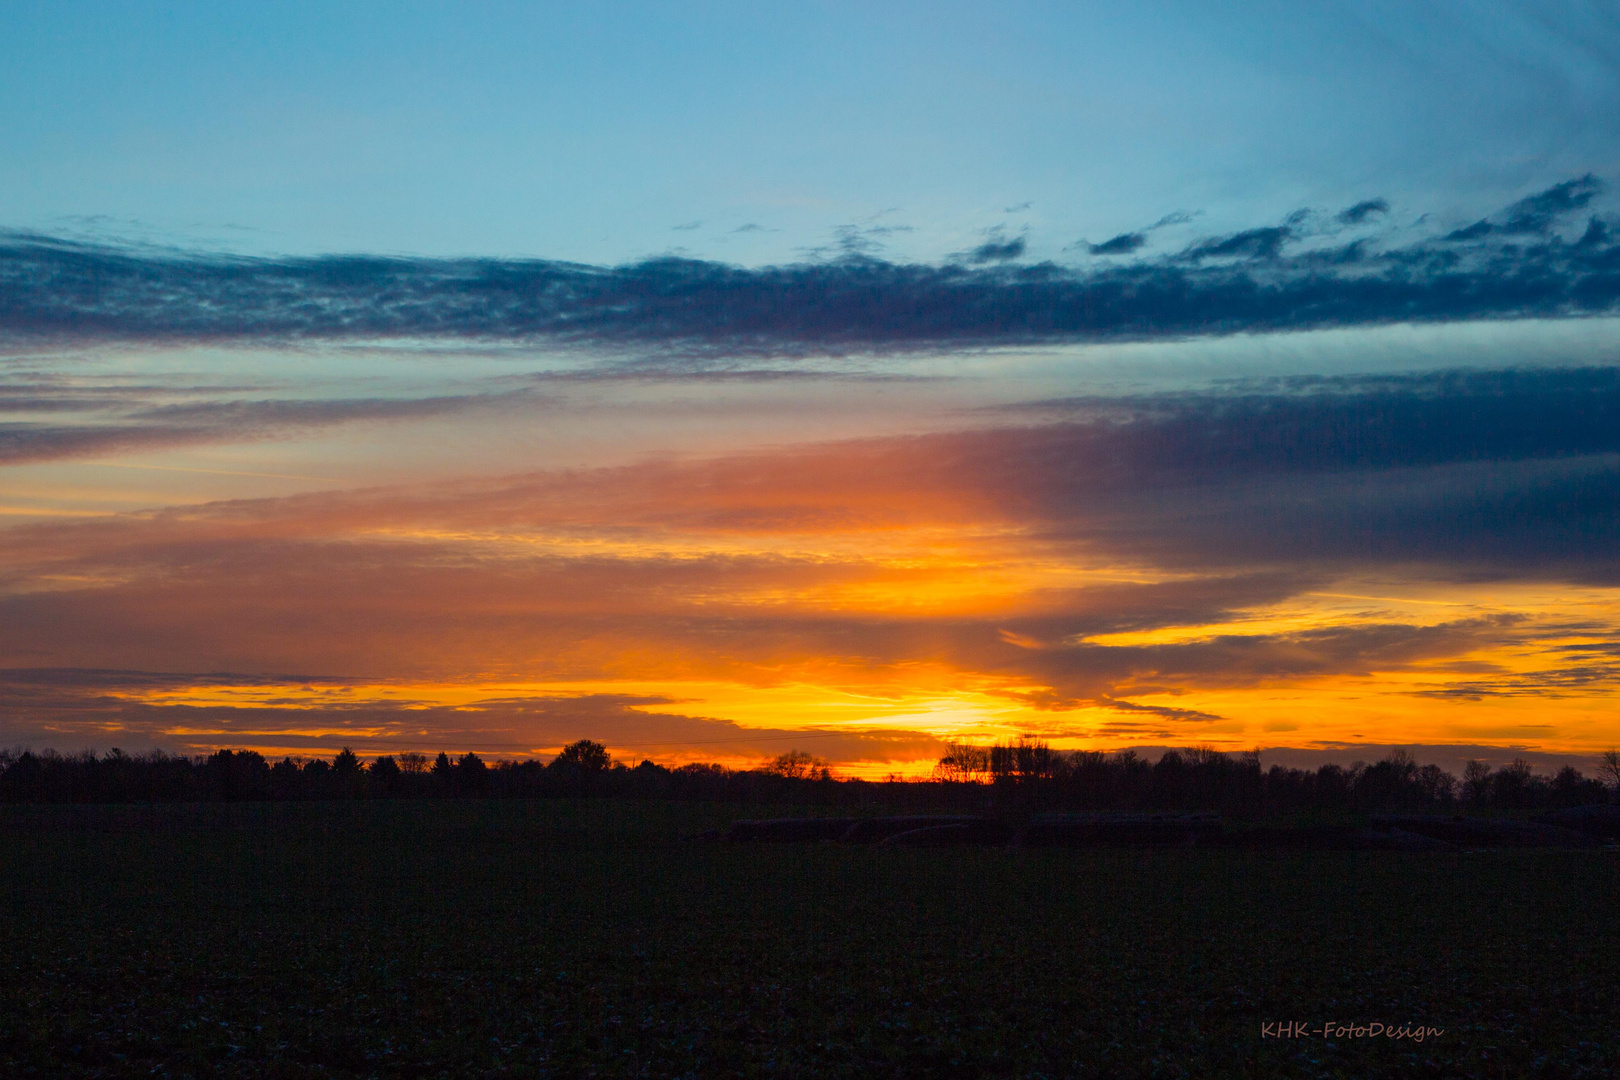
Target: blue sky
x,y
595,132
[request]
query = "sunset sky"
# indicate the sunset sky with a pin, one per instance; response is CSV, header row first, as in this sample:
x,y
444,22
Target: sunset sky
x,y
719,380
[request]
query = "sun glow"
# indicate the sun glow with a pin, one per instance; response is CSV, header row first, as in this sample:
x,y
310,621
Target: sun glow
x,y
865,582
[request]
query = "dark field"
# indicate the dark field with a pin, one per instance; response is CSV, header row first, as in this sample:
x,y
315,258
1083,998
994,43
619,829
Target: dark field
x,y
561,938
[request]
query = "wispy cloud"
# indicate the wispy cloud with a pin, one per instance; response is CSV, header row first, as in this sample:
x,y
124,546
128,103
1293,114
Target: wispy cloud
x,y
1364,211
127,424
134,709
1123,244
998,248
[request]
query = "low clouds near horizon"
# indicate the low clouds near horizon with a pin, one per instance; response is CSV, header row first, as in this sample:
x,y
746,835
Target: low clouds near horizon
x,y
1172,566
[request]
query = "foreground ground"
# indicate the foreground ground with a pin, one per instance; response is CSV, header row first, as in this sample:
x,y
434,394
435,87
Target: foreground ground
x,y
581,938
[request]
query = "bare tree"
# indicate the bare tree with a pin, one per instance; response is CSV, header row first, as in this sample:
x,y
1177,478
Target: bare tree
x,y
1609,769
1401,764
798,765
1033,758
963,763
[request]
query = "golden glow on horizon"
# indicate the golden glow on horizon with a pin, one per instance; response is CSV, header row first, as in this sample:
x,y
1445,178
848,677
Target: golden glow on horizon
x,y
820,696
571,566
931,573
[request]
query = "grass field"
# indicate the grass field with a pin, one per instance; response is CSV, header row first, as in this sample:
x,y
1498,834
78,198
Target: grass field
x,y
581,938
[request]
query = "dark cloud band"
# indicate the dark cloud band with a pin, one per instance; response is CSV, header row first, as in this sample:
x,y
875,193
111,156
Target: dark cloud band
x,y
1266,278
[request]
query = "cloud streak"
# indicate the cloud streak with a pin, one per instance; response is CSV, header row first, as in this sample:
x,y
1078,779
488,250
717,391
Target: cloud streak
x,y
821,562
1273,277
129,426
90,706
1512,472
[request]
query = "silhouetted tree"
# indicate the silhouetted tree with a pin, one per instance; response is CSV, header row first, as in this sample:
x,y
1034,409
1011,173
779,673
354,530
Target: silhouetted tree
x,y
963,763
472,775
318,778
444,778
798,765
649,778
1610,770
346,773
1569,788
1033,759
580,767
586,756
25,778
1435,784
287,779
240,774
384,776
1382,785
1511,784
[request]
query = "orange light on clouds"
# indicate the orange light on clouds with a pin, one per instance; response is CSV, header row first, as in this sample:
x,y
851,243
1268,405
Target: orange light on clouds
x,y
868,595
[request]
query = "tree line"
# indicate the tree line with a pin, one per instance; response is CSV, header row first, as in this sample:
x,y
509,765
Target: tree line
x,y
582,768
1026,773
1201,778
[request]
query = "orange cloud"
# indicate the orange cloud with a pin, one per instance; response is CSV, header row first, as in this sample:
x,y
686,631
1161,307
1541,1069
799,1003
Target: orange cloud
x,y
1067,578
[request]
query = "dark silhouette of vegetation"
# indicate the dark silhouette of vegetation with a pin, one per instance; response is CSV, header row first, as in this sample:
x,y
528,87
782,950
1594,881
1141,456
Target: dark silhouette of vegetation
x,y
798,765
1611,768
1024,774
586,756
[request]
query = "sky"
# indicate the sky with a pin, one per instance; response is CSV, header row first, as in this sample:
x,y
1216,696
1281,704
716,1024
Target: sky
x,y
714,381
